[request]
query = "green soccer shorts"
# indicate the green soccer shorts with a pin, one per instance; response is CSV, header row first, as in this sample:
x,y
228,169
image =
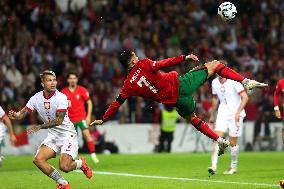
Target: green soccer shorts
x,y
188,84
82,124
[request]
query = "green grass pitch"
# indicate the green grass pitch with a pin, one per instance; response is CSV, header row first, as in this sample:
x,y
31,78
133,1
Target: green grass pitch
x,y
152,171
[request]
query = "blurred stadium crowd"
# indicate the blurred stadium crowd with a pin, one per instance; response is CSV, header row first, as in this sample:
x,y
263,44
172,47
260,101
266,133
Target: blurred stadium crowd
x,y
37,35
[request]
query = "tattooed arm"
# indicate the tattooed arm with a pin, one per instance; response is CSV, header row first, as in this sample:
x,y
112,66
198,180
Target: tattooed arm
x,y
57,121
18,115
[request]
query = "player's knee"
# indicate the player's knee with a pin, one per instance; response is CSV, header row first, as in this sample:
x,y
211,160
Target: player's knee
x,y
38,161
64,167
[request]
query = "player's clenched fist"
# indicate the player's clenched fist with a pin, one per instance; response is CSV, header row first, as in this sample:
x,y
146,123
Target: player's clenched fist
x,y
97,122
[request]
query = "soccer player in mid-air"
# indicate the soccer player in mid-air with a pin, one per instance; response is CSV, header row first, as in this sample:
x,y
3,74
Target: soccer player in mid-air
x,y
5,121
277,93
232,99
52,106
77,97
144,79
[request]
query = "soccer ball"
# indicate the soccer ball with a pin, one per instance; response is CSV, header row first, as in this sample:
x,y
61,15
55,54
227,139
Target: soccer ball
x,y
227,10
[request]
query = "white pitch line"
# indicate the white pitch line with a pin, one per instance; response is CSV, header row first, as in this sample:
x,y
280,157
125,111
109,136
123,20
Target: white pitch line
x,y
183,179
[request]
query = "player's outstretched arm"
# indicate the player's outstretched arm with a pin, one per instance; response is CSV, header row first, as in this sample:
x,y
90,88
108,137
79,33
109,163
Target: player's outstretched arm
x,y
18,115
157,65
57,121
97,122
8,124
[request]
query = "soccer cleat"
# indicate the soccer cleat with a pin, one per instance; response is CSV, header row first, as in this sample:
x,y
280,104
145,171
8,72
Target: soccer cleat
x,y
62,186
230,171
281,182
222,146
251,84
95,158
86,169
212,170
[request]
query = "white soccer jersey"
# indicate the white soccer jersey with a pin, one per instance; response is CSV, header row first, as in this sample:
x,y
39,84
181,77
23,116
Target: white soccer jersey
x,y
2,125
47,108
229,96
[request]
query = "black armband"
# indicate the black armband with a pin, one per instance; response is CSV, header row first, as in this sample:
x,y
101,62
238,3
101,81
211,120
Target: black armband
x,y
120,99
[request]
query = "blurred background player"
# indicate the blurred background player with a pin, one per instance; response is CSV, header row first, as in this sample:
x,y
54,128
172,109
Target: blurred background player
x,y
144,79
51,106
77,97
279,91
5,121
232,99
169,117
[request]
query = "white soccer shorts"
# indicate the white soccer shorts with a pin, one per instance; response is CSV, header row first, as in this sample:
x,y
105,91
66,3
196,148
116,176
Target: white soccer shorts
x,y
63,145
224,124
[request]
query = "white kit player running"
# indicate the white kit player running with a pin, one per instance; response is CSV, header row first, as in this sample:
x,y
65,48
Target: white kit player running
x,y
52,106
5,121
232,99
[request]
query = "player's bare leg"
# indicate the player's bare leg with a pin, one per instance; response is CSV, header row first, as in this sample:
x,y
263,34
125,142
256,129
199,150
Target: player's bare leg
x,y
234,156
43,154
214,156
91,144
215,66
67,164
204,128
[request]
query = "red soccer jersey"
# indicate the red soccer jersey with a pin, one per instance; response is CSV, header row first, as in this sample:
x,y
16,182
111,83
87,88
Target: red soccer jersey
x,y
279,91
77,99
145,80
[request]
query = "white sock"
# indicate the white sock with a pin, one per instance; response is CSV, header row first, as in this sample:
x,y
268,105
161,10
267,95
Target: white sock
x,y
214,156
55,175
78,164
220,139
93,155
234,156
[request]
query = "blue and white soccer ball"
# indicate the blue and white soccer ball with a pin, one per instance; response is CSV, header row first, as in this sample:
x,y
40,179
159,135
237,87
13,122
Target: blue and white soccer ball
x,y
227,11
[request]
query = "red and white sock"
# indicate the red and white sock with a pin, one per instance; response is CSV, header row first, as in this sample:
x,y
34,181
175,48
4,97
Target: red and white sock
x,y
91,146
228,73
203,127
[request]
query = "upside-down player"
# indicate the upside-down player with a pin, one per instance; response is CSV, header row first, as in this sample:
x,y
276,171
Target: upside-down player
x,y
77,96
144,79
52,106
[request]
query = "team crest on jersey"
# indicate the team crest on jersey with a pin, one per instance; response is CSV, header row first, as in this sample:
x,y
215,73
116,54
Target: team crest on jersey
x,y
78,96
47,105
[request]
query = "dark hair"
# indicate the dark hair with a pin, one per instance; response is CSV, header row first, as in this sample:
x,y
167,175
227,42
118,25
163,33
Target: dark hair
x,y
72,73
46,72
125,57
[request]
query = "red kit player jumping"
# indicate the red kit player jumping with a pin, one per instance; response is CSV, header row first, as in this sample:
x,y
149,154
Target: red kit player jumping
x,y
144,79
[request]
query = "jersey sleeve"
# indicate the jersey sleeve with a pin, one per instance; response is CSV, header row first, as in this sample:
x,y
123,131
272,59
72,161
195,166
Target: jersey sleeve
x,y
157,65
214,92
114,106
2,113
239,87
31,105
277,93
85,94
62,104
